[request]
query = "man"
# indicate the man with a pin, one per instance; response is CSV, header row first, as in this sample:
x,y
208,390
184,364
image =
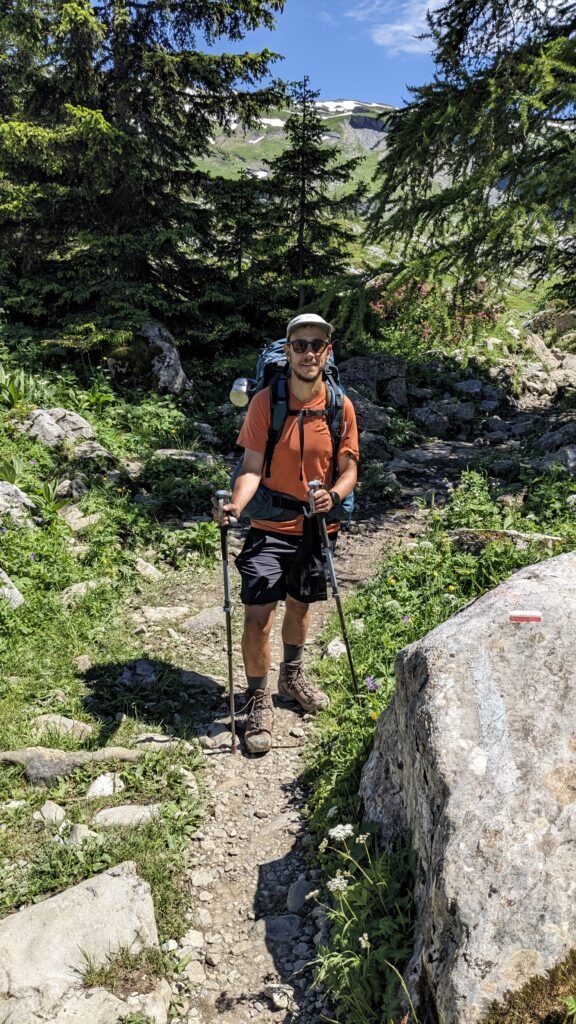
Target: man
x,y
303,453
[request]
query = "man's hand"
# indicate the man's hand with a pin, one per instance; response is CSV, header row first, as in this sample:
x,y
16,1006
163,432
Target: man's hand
x,y
322,501
225,516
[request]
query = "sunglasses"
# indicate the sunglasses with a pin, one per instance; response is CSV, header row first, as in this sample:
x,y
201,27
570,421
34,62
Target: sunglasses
x,y
317,345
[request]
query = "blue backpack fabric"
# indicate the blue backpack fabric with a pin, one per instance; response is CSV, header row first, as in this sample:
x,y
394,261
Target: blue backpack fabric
x,y
271,370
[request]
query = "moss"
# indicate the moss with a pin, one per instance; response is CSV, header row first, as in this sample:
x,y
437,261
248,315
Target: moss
x,y
541,1000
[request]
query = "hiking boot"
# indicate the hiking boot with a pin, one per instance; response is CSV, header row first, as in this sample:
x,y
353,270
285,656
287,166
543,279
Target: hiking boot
x,y
259,721
293,685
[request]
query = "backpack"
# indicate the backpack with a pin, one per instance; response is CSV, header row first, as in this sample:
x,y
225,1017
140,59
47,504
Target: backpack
x,y
271,370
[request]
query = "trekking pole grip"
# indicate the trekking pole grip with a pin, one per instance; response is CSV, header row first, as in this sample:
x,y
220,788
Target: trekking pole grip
x,y
313,486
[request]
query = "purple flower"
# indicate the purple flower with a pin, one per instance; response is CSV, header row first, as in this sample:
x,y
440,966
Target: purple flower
x,y
405,618
371,684
32,462
3,529
32,557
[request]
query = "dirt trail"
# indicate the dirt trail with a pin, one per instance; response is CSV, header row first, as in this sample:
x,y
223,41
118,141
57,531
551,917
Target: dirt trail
x,y
255,932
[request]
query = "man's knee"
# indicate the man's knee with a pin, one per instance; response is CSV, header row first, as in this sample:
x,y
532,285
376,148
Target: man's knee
x,y
297,609
259,618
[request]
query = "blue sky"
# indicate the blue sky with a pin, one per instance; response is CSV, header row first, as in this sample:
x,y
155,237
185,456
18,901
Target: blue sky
x,y
351,49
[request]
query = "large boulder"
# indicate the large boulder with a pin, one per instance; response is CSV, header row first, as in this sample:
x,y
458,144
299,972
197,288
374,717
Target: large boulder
x,y
9,591
45,949
55,426
537,346
381,377
476,759
16,504
368,415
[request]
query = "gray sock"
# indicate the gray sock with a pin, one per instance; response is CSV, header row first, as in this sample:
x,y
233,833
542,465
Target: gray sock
x,y
257,682
293,652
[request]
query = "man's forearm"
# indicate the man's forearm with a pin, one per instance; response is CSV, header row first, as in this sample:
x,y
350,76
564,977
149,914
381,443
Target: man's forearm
x,y
245,488
347,480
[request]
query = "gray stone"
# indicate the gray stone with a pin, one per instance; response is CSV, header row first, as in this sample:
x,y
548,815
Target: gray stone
x,y
470,388
207,433
197,681
278,997
9,592
564,322
75,489
105,785
43,764
50,812
434,422
166,366
536,345
126,816
77,591
148,570
381,376
368,415
476,757
55,426
336,648
62,726
193,939
44,950
93,450
195,973
374,446
76,520
182,455
558,437
14,503
80,834
165,614
208,618
282,929
297,893
564,456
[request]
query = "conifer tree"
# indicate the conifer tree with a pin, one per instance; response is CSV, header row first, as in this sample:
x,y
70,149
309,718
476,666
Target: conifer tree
x,y
103,108
309,237
480,172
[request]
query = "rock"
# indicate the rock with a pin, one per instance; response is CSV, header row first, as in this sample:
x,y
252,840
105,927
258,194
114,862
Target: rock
x,y
157,741
374,446
148,570
569,340
43,764
170,946
55,426
126,815
79,590
476,757
278,997
434,422
536,345
166,366
181,455
513,331
336,648
105,785
282,929
382,377
50,812
193,939
44,950
216,736
564,456
9,592
16,504
565,321
195,973
80,834
93,450
165,614
207,433
208,618
75,489
76,520
297,893
197,681
62,726
140,672
559,437
470,388
368,415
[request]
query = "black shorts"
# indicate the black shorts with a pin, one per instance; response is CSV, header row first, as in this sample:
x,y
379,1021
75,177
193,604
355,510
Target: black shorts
x,y
264,565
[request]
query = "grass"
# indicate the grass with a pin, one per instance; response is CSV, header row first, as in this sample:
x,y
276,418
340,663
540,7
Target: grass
x,y
370,910
126,972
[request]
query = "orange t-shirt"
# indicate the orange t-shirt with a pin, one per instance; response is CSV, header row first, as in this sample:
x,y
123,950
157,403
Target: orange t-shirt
x,y
316,463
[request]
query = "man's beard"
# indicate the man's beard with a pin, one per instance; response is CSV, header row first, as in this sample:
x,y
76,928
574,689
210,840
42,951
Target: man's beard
x,y
307,380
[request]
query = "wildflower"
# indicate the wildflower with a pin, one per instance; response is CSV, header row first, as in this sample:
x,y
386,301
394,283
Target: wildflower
x,y
451,587
374,716
371,684
405,618
364,941
3,529
312,895
323,846
32,462
434,573
332,812
32,557
341,832
391,580
363,838
338,884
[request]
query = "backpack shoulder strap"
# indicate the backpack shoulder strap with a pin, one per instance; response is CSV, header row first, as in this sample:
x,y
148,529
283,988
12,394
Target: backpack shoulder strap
x,y
335,405
278,414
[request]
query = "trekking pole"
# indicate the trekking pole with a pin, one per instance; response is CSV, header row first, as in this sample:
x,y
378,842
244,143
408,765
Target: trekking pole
x,y
222,497
314,486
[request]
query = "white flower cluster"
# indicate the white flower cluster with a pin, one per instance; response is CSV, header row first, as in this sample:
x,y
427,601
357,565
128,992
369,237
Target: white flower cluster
x,y
364,941
338,884
340,832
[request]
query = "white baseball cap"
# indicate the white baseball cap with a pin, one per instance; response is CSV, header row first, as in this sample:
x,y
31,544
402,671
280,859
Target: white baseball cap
x,y
308,320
